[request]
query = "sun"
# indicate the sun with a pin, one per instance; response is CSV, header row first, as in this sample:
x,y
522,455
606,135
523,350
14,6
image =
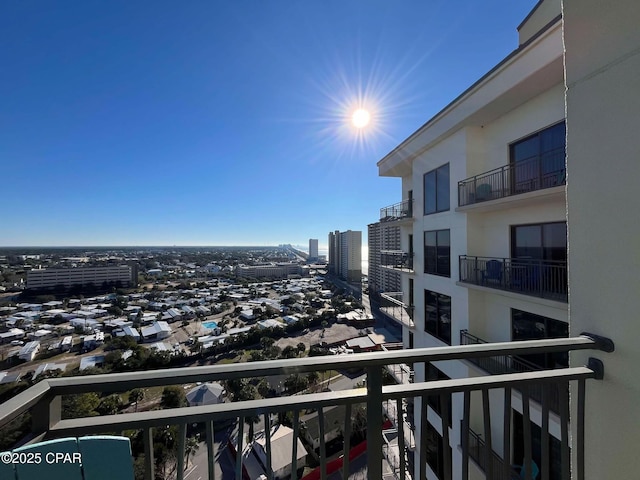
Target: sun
x,y
361,118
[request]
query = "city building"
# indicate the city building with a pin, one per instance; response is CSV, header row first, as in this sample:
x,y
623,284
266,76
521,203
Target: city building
x,y
497,221
279,270
385,258
345,255
313,249
99,277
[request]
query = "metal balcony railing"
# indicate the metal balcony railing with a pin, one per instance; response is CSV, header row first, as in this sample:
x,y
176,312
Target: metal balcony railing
x,y
538,278
513,179
510,364
480,454
397,211
43,402
397,259
393,306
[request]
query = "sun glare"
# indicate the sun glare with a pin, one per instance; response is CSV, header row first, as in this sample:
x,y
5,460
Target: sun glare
x,y
361,118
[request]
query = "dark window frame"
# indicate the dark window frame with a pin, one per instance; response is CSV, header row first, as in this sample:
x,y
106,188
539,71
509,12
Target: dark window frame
x,y
433,373
441,190
543,248
542,328
441,332
550,168
441,267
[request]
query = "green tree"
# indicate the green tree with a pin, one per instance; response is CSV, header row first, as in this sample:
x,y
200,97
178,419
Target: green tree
x,y
135,396
78,406
173,397
191,446
296,383
110,405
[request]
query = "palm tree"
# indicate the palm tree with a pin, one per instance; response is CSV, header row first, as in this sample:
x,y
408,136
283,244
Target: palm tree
x,y
136,395
191,447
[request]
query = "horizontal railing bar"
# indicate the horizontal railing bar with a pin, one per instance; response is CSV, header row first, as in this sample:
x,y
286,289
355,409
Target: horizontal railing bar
x,y
203,413
114,382
487,382
199,414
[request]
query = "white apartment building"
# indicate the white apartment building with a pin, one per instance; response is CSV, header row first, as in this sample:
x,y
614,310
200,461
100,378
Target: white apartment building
x,y
490,180
48,278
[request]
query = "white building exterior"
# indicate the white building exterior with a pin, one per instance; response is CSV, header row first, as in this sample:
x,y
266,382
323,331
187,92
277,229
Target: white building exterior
x,y
491,177
47,278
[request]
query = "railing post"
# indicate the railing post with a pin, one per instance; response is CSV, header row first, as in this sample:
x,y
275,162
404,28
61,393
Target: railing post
x,y
149,462
46,413
210,455
347,441
374,422
182,438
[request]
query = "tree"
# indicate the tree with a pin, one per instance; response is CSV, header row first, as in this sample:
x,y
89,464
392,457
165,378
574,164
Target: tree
x,y
296,383
110,405
301,347
313,378
173,397
136,395
191,447
77,406
289,352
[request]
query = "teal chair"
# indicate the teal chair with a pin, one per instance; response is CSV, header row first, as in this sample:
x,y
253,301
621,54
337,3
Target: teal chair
x,y
86,458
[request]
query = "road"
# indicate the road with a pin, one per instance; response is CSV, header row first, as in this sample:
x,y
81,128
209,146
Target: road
x,y
224,466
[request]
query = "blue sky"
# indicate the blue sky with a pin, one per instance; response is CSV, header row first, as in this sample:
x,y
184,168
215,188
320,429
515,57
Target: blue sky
x,y
222,122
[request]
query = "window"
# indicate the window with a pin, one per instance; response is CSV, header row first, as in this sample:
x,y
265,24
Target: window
x,y
438,315
434,373
436,190
547,241
529,326
437,252
436,450
539,160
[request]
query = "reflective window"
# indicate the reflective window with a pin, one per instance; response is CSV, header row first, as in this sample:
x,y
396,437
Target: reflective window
x,y
438,315
436,190
437,252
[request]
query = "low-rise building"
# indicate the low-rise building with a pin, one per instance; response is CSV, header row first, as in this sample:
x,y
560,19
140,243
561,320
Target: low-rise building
x,y
29,351
157,331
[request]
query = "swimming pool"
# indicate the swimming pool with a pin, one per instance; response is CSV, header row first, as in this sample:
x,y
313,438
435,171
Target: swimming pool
x,y
210,325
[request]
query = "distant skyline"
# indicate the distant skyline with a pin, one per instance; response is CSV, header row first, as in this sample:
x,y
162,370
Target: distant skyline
x,y
222,123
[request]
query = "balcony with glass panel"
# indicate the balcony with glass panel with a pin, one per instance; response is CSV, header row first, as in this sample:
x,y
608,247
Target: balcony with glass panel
x,y
397,260
40,409
393,306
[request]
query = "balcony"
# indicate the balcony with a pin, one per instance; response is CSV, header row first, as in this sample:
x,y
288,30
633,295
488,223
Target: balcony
x,y
537,278
397,260
514,179
511,364
482,456
397,211
401,372
393,306
43,402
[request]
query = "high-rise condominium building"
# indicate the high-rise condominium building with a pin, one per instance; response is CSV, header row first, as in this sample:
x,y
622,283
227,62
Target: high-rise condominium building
x,y
313,249
345,254
524,199
384,251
